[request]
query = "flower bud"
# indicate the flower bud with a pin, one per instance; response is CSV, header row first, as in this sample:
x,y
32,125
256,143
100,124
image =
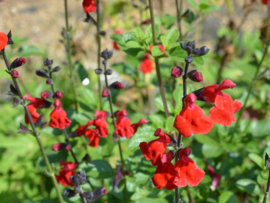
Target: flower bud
x,y
9,35
189,59
69,193
57,146
14,74
68,147
49,81
106,54
146,22
102,33
46,94
117,85
204,50
195,76
42,73
58,94
196,52
105,92
177,72
17,62
108,72
192,44
48,62
183,45
56,69
98,71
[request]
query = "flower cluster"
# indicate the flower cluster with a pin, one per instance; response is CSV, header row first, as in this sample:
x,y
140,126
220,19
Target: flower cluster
x,y
65,173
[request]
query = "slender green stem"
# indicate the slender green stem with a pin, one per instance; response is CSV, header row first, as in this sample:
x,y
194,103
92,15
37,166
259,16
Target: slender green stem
x,y
82,198
267,189
119,142
36,134
98,56
179,13
179,141
160,84
68,46
252,84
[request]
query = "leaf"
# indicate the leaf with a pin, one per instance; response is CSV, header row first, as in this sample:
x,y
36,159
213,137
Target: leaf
x,y
24,129
169,123
139,33
205,139
151,200
28,50
81,71
98,169
193,4
172,35
260,128
205,9
198,61
160,106
248,186
177,54
156,51
144,134
257,159
157,120
167,21
178,94
164,41
227,197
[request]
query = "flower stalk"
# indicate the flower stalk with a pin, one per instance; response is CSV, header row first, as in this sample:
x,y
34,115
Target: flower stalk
x,y
179,13
50,171
160,84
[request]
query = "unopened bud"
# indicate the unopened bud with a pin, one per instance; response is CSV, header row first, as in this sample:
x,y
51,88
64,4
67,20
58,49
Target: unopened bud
x,y
106,54
146,22
68,147
102,33
49,81
14,74
45,94
189,59
195,76
57,146
105,93
98,71
9,35
204,50
108,72
18,62
117,85
58,94
183,45
177,72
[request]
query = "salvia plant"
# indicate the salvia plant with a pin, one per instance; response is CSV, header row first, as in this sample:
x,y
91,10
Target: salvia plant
x,y
162,126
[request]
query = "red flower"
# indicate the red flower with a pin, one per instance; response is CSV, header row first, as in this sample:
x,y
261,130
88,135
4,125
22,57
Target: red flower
x,y
82,129
3,40
187,171
215,177
123,125
147,65
192,119
93,136
89,6
33,112
64,174
101,123
210,92
265,2
59,117
115,45
135,126
154,149
164,174
224,109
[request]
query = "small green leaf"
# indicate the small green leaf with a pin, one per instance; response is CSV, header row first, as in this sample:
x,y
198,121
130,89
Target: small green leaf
x,y
156,51
262,177
160,106
139,33
204,139
28,50
178,94
257,159
164,41
227,197
167,21
198,61
144,134
193,4
157,120
81,71
260,128
205,8
97,169
177,54
249,186
169,123
133,44
172,35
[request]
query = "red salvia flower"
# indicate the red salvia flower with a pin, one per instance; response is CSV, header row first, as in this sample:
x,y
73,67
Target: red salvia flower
x,y
147,65
154,149
3,40
33,112
89,6
115,45
266,2
82,129
135,126
64,175
164,174
192,119
215,177
101,123
93,136
224,109
123,125
59,117
187,171
210,92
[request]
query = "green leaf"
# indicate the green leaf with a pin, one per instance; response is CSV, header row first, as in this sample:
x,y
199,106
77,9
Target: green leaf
x,y
164,41
133,44
227,197
172,35
156,51
260,128
177,54
144,134
151,200
167,21
193,4
262,177
205,8
204,139
198,61
178,94
257,159
81,71
157,120
212,151
160,106
28,50
248,186
169,123
139,33
98,169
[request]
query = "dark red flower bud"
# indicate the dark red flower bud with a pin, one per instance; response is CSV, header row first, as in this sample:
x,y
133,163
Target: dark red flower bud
x,y
146,22
18,62
57,146
105,93
45,94
58,94
14,74
49,81
195,76
117,85
177,72
68,147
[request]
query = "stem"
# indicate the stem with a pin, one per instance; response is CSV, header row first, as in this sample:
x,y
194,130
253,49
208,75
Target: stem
x,y
179,141
249,91
69,57
98,56
221,67
161,88
119,142
179,13
267,189
82,198
36,134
